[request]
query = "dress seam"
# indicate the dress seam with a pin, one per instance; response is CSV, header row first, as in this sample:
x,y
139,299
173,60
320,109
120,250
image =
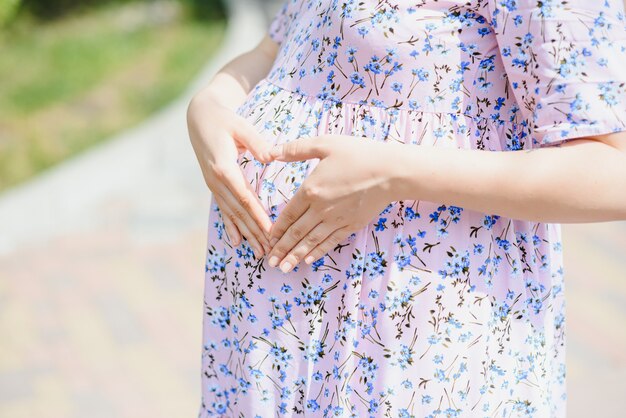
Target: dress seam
x,y
475,118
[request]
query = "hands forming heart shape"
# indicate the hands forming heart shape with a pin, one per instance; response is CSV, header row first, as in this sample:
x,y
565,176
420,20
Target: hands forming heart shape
x,y
322,212
351,185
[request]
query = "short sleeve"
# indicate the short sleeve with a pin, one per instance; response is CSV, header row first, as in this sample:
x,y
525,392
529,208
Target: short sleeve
x,y
566,64
280,22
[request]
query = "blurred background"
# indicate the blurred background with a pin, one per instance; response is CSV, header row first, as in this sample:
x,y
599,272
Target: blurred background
x,y
103,214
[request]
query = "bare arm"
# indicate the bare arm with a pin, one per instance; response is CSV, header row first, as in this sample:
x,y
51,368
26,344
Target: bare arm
x,y
584,180
230,85
219,135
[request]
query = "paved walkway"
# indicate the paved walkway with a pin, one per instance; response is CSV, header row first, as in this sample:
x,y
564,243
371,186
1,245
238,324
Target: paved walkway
x,y
101,269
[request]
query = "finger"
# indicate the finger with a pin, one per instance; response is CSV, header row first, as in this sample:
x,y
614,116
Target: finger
x,y
295,208
248,198
246,205
329,243
314,238
246,224
240,216
232,231
259,214
246,134
299,149
298,230
242,229
257,248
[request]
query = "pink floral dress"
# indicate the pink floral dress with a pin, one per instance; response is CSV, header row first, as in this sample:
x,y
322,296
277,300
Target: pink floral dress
x,y
432,310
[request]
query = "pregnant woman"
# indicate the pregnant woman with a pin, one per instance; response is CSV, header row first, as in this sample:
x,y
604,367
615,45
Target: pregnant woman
x,y
388,181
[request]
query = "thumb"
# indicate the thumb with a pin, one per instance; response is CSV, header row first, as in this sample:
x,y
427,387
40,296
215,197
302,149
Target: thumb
x,y
298,150
248,136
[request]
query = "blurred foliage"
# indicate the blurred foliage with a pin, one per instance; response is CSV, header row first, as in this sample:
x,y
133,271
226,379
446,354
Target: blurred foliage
x,y
53,9
76,80
206,9
8,8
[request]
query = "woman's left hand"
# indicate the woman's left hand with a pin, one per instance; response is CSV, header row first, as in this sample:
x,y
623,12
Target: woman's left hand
x,y
352,183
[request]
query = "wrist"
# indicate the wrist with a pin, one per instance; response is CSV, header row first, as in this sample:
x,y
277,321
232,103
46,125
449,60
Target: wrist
x,y
204,100
399,157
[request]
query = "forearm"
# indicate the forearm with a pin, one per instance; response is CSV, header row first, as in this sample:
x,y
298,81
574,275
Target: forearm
x,y
583,181
231,84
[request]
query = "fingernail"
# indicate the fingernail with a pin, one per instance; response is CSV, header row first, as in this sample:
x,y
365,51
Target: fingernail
x,y
273,261
286,266
309,259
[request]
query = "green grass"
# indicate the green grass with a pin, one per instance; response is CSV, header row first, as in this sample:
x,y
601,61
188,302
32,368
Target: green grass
x,y
69,84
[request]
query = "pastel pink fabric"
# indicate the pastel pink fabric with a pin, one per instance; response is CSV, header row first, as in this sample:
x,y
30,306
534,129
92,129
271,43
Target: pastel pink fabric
x,y
431,310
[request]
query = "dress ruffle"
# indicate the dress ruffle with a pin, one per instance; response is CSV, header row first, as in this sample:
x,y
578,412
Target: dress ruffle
x,y
521,251
278,107
427,299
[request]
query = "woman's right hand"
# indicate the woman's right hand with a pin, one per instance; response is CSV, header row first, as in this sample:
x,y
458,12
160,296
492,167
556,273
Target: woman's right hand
x,y
218,135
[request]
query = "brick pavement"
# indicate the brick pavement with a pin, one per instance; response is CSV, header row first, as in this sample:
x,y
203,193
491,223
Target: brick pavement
x,y
595,272
100,325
